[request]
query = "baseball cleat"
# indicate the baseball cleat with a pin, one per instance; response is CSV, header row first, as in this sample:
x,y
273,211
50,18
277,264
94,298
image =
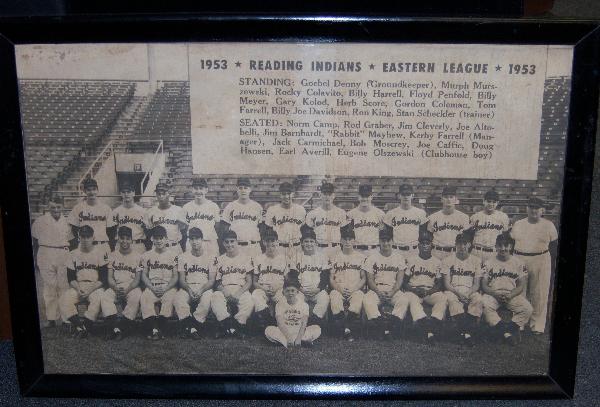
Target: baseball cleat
x,y
467,339
81,333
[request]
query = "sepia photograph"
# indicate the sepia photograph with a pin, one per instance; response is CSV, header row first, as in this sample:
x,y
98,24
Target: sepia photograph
x,y
295,209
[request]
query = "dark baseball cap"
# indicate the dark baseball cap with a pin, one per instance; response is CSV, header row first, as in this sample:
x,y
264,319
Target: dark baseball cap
x,y
462,238
405,189
195,233
286,187
230,234
491,195
307,232
449,191
365,190
86,231
89,183
386,234
347,232
327,188
269,236
535,202
158,232
291,280
124,231
243,182
126,186
426,236
199,182
161,186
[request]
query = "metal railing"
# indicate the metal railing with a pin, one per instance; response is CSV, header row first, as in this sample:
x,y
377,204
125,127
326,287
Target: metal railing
x,y
157,153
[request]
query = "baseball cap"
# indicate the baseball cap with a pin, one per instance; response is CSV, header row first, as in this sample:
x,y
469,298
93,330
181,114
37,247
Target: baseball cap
x,y
535,202
307,232
159,231
426,236
449,191
195,233
365,190
462,238
286,187
270,235
347,232
124,231
327,188
199,182
386,233
126,186
161,186
405,189
89,183
491,195
230,234
86,231
504,239
245,182
291,280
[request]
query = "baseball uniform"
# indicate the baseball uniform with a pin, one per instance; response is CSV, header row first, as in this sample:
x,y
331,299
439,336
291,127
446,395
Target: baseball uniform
x,y
384,270
271,272
135,219
366,228
326,224
346,270
406,224
286,222
160,267
53,238
231,273
502,277
97,216
423,273
445,228
244,219
487,227
196,270
531,247
204,217
170,218
292,315
463,275
310,271
124,268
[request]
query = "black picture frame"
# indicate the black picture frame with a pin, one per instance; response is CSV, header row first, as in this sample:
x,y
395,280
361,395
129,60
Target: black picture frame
x,y
558,383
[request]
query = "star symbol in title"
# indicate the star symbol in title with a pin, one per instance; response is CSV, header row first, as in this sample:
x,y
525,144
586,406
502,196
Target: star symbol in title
x,y
238,64
498,68
372,66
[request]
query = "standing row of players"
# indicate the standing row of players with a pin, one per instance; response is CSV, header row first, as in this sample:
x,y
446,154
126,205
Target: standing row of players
x,y
534,235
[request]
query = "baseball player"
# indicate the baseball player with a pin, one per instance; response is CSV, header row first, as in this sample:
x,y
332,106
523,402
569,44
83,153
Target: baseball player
x,y
503,282
159,275
124,283
243,217
406,220
446,224
385,274
292,318
131,215
347,281
424,285
170,217
535,245
462,278
326,221
234,279
92,212
86,272
51,239
367,220
487,225
270,270
204,215
313,268
286,218
196,280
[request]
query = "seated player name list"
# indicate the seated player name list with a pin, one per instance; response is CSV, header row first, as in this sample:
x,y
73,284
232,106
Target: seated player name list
x,y
449,111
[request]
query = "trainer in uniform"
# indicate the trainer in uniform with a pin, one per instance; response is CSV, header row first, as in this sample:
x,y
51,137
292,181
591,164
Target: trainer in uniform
x,y
446,224
367,220
131,215
170,217
203,214
286,218
406,220
92,212
51,238
326,221
243,216
487,225
535,245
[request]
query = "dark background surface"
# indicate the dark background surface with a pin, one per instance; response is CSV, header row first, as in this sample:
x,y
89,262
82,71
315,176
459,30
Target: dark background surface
x,y
587,391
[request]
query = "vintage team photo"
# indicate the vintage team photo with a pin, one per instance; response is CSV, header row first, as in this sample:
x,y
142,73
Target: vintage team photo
x,y
145,266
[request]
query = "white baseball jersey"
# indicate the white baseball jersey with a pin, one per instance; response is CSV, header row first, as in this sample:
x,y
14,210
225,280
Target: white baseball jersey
x,y
533,237
405,223
51,232
160,266
286,222
124,267
327,223
292,313
87,265
196,269
168,218
203,217
233,270
346,268
445,228
463,273
488,227
310,269
96,216
244,219
385,269
134,218
422,273
366,225
271,271
503,275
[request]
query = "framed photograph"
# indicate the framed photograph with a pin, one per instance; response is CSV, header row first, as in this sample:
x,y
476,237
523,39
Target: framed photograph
x,y
296,207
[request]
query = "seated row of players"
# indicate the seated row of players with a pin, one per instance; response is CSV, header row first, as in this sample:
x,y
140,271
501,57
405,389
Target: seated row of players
x,y
534,235
195,279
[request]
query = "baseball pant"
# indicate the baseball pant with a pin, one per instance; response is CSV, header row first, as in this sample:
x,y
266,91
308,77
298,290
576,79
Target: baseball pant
x,y
68,300
372,301
519,306
438,300
355,301
320,301
367,252
132,303
210,247
261,299
245,305
50,262
274,334
330,252
538,288
251,250
440,254
138,248
183,309
456,306
291,253
104,245
483,255
409,252
149,299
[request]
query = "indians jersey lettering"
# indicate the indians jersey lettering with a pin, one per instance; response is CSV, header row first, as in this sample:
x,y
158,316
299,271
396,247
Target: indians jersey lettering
x,y
271,270
124,267
160,266
169,219
488,227
422,273
385,269
96,216
503,275
533,237
233,270
196,269
244,219
310,269
346,268
87,264
463,273
366,225
405,223
203,217
445,228
134,218
286,222
327,223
